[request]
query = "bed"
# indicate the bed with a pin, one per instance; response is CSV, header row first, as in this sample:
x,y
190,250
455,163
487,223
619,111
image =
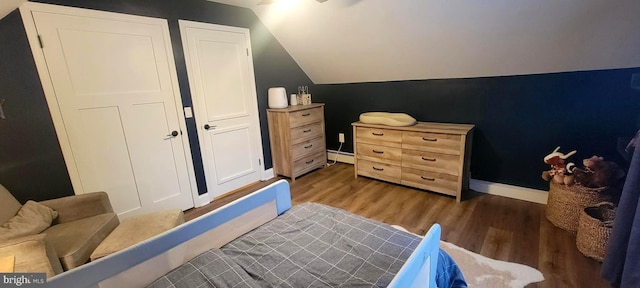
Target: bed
x,y
253,241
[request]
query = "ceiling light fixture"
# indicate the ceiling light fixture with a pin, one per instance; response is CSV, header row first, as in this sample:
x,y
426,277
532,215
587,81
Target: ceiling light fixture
x,y
267,2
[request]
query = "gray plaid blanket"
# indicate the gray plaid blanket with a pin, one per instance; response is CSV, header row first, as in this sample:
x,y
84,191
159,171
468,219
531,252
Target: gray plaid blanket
x,y
311,245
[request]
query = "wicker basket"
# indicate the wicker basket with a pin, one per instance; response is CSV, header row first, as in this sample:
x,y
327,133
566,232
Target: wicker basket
x,y
595,227
565,203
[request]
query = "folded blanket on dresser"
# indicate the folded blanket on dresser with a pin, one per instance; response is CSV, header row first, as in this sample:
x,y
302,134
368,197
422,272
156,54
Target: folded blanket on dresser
x,y
311,245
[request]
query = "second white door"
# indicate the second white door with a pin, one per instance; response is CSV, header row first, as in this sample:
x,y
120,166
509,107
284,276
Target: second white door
x,y
220,71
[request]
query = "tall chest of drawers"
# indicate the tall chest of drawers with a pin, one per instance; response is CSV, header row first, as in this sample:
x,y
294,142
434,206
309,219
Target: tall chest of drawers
x,y
297,139
429,156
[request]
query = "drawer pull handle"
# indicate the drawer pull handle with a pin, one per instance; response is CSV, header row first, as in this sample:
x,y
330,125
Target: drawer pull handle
x,y
378,151
306,131
430,139
427,178
429,159
306,114
377,134
377,169
307,147
309,162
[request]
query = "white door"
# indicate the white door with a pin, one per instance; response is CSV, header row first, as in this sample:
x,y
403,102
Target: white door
x,y
220,70
115,85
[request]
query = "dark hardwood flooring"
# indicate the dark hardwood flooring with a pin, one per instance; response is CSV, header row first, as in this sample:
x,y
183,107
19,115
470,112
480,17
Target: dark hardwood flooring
x,y
494,226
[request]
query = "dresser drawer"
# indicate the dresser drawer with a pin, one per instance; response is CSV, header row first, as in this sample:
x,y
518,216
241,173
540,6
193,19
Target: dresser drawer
x,y
436,162
306,132
308,163
433,181
302,117
433,156
391,173
378,153
434,142
308,147
391,138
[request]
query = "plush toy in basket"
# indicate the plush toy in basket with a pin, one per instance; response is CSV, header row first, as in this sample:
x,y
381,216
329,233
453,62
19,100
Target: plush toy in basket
x,y
596,173
558,170
572,189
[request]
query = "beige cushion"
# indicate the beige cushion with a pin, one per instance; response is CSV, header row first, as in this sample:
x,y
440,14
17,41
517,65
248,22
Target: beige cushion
x,y
386,118
74,241
9,206
32,254
76,207
32,218
137,229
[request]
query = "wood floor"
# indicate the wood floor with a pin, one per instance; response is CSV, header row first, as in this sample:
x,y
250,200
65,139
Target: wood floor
x,y
496,227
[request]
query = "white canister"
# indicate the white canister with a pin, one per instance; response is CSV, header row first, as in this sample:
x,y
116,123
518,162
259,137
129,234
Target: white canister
x,y
294,100
278,97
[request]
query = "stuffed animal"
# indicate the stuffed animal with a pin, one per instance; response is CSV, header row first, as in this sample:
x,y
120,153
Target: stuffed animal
x,y
597,173
569,179
558,168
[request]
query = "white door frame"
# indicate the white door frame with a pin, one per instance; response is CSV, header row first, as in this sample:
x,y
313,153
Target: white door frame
x,y
47,85
184,24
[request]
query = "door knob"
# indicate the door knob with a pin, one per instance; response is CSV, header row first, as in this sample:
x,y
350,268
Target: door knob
x,y
173,134
209,127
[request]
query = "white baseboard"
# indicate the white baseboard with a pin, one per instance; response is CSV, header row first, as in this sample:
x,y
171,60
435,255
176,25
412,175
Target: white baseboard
x,y
510,191
202,200
342,157
206,198
268,174
499,189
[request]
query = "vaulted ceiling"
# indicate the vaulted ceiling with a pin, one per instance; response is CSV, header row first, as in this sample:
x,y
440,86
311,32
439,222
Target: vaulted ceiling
x,y
342,41
7,6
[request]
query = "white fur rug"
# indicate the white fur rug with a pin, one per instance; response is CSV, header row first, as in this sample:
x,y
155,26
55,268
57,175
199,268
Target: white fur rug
x,y
481,271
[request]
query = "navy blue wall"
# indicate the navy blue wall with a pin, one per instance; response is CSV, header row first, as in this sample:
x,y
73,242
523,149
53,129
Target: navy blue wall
x,y
519,119
31,161
272,65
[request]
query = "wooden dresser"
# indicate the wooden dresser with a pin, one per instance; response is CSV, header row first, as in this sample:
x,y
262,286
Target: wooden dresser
x,y
297,139
430,156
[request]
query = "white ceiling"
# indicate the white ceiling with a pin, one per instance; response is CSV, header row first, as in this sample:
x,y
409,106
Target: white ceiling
x,y
7,6
342,41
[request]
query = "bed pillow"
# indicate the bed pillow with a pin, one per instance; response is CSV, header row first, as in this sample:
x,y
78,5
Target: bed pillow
x,y
388,119
31,219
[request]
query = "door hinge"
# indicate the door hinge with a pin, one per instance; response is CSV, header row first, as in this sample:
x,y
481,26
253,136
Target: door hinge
x,y
40,41
247,51
259,162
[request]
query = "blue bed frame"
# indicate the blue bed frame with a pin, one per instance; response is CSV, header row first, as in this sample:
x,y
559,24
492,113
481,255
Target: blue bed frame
x,y
150,259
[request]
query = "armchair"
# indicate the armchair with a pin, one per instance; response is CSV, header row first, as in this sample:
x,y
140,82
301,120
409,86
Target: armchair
x,y
83,221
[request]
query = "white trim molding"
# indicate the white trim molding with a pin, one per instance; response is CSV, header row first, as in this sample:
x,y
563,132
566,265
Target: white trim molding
x,y
206,198
202,200
492,188
342,157
509,191
268,174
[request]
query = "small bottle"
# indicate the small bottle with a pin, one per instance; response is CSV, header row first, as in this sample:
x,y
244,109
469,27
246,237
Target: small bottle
x,y
294,99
